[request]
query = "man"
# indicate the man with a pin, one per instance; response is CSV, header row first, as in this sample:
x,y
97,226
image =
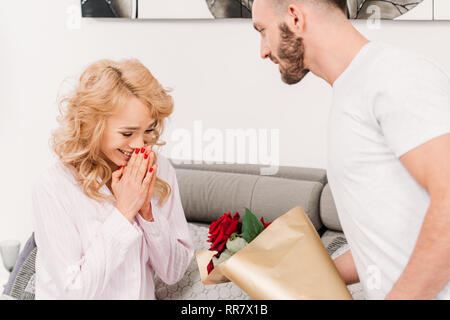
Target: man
x,y
388,145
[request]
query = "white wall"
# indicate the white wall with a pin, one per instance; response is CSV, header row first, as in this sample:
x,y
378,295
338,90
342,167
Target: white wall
x,y
213,67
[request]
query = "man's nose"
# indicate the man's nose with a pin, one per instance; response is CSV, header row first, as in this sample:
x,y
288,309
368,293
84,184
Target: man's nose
x,y
265,51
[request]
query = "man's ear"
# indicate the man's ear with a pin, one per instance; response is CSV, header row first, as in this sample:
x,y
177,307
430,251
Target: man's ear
x,y
296,18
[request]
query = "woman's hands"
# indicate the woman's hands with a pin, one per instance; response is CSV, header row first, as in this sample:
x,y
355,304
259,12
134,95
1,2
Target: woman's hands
x,y
131,185
146,210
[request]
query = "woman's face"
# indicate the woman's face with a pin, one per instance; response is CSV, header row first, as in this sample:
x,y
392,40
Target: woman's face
x,y
130,128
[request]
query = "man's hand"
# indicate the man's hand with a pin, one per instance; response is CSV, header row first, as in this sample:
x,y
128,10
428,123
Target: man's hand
x,y
346,267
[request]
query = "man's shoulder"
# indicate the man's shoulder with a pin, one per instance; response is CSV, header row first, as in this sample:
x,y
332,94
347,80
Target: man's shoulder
x,y
394,63
387,53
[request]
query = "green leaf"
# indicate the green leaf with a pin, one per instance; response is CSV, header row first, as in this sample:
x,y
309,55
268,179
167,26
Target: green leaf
x,y
251,226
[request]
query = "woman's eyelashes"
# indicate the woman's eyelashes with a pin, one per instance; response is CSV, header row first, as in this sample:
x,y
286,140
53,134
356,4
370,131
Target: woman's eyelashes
x,y
129,134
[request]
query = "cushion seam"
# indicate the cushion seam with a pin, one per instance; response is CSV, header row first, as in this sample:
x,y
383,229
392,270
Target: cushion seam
x,y
253,192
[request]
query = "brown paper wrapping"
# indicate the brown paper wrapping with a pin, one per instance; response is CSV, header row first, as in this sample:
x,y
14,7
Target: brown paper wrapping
x,y
285,261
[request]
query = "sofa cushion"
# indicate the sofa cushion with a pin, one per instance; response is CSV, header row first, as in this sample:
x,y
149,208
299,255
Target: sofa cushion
x,y
328,211
23,286
333,241
26,251
294,173
273,197
206,195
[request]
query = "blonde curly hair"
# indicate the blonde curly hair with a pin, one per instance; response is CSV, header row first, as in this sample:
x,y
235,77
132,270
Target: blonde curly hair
x,y
102,88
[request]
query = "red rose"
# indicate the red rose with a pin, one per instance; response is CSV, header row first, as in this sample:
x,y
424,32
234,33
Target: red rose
x,y
265,224
221,230
210,266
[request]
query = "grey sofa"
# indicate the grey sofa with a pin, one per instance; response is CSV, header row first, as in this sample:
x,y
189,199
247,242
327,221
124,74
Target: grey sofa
x,y
209,190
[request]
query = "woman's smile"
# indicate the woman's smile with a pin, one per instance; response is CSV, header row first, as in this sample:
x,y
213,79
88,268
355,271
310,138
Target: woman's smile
x,y
125,154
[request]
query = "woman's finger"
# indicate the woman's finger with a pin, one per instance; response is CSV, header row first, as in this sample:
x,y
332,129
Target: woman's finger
x,y
148,178
138,164
152,182
131,163
142,166
149,148
150,160
149,151
116,175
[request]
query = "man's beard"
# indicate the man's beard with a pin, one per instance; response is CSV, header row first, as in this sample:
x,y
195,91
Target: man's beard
x,y
291,51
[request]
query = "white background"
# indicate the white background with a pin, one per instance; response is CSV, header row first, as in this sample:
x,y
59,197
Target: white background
x,y
441,9
174,9
213,67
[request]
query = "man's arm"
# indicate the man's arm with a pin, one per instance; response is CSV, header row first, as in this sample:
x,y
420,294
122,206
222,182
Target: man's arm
x,y
346,267
428,269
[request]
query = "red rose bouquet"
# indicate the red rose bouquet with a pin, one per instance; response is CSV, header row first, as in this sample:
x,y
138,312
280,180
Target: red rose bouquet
x,y
284,259
228,235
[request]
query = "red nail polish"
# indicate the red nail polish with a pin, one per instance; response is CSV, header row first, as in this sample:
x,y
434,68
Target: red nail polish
x,y
151,170
137,150
120,167
142,150
146,156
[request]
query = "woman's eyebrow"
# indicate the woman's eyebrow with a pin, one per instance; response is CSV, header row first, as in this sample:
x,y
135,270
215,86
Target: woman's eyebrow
x,y
137,128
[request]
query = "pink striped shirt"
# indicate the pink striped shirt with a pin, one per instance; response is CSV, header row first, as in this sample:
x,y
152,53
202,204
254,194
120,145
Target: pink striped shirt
x,y
89,250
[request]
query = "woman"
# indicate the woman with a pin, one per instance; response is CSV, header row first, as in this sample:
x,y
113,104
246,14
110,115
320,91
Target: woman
x,y
107,214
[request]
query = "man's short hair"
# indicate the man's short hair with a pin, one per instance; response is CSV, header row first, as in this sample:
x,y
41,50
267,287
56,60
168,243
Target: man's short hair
x,y
337,4
340,4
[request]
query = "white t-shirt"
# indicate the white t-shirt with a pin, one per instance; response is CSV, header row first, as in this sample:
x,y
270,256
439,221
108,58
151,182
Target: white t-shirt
x,y
387,102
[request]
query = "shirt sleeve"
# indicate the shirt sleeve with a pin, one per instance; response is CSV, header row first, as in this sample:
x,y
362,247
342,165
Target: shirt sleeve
x,y
76,271
413,106
167,237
